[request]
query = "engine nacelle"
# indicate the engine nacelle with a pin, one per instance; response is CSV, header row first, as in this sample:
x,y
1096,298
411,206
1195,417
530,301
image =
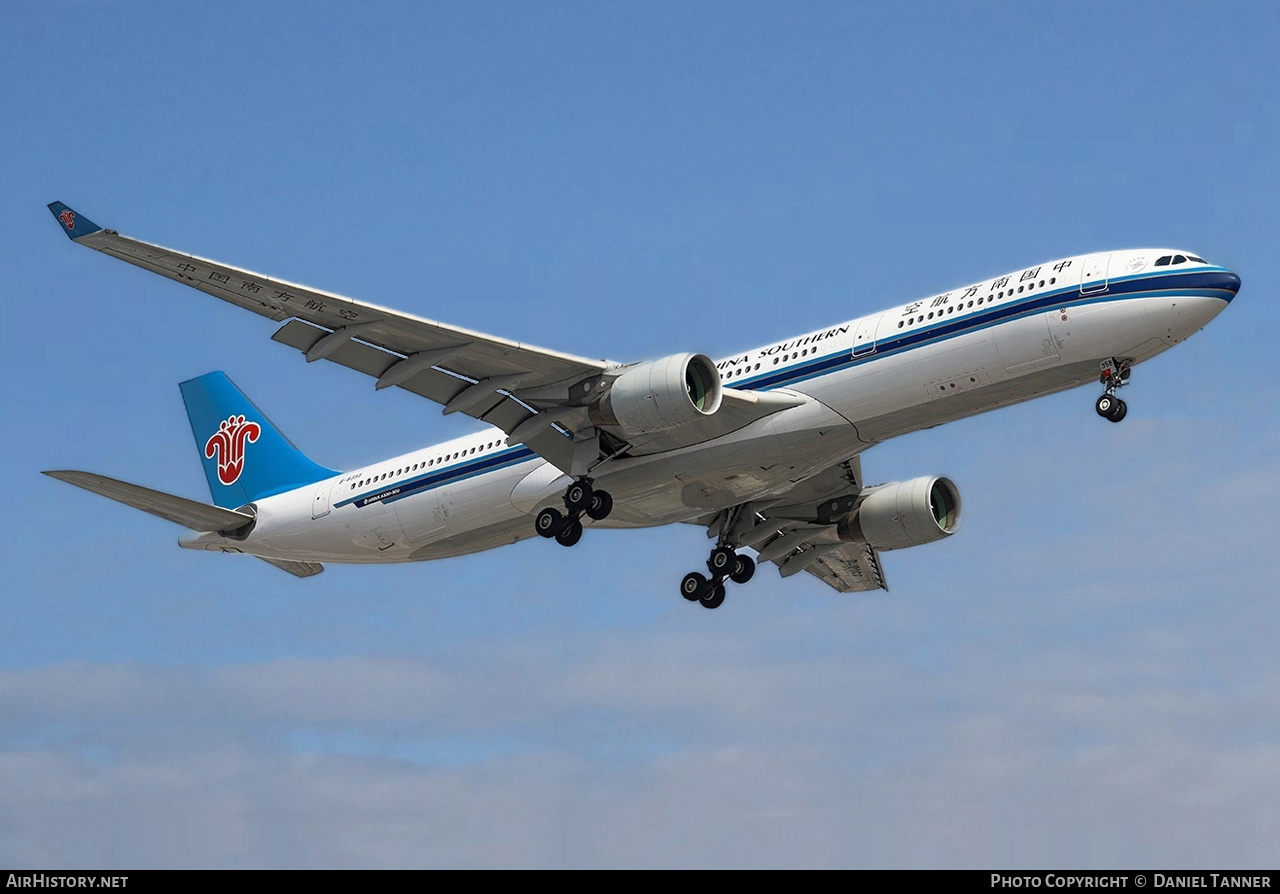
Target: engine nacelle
x,y
660,395
909,513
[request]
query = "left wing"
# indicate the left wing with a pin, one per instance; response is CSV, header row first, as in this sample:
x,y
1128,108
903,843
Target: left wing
x,y
537,396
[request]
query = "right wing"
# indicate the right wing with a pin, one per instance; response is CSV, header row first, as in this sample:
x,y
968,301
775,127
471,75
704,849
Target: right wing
x,y
798,531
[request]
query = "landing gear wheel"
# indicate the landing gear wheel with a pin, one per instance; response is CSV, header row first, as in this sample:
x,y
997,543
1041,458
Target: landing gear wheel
x,y
570,534
1115,375
600,506
693,586
744,571
714,597
722,562
549,522
1111,407
577,496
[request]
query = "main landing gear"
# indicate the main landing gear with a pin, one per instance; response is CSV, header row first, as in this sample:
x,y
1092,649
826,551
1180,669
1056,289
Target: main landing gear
x,y
1115,374
579,499
723,564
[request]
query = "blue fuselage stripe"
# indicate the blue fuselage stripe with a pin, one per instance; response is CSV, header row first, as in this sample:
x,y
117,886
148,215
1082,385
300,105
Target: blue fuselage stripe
x,y
1202,283
1205,283
440,477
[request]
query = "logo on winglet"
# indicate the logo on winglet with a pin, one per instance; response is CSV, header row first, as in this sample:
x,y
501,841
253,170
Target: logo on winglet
x,y
227,444
68,218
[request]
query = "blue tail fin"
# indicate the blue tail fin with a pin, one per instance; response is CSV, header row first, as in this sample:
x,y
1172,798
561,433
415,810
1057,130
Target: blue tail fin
x,y
245,456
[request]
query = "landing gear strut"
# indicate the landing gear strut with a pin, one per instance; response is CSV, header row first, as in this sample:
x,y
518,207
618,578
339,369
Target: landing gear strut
x,y
580,499
1115,374
724,563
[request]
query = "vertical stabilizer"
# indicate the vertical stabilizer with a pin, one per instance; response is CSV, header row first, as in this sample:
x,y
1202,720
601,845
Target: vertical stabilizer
x,y
245,456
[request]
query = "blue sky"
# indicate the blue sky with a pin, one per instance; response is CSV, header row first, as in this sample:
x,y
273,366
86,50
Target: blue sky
x,y
1085,675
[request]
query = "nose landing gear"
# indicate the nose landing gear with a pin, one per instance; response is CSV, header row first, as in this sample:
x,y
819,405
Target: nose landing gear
x,y
579,499
1115,374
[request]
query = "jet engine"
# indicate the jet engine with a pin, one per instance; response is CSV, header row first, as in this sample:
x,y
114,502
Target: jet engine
x,y
660,395
908,513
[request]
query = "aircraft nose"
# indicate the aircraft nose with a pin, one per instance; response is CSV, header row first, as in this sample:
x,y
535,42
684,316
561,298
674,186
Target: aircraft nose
x,y
1226,281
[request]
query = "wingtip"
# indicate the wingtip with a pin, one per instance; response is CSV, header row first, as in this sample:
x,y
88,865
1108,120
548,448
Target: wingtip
x,y
73,224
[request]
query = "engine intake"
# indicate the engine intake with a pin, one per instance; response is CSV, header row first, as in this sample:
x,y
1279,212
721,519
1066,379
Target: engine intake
x,y
908,513
660,395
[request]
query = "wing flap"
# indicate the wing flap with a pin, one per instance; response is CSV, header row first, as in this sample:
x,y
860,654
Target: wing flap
x,y
849,568
497,409
297,569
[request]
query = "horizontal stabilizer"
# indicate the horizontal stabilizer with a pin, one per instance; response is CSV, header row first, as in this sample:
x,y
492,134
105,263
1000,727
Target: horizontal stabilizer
x,y
188,513
297,569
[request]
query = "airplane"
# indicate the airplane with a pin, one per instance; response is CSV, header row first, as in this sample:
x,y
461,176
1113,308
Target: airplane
x,y
762,448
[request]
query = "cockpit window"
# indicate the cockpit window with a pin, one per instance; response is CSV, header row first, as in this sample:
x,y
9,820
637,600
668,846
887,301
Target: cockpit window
x,y
1179,259
1164,262
1197,260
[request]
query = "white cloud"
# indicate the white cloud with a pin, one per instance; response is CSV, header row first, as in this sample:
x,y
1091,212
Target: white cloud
x,y
661,751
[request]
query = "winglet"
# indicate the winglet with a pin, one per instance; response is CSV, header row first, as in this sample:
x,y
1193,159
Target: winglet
x,y
74,225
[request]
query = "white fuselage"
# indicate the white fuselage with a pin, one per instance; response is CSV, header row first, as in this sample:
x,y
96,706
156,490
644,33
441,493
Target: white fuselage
x,y
994,343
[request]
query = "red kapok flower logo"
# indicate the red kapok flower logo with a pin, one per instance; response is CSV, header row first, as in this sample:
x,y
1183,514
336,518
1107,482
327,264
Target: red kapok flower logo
x,y
227,444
